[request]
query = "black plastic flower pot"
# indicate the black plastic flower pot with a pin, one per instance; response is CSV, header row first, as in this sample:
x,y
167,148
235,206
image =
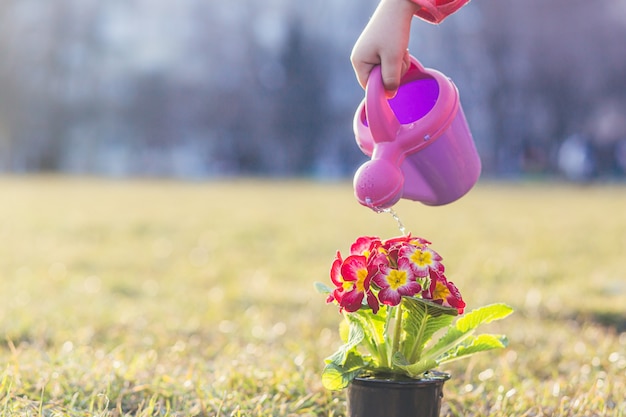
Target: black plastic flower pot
x,y
396,396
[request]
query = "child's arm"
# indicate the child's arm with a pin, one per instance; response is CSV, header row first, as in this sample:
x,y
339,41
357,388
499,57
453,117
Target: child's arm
x,y
384,41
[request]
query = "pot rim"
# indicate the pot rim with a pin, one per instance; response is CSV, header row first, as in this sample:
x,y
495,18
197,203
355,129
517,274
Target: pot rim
x,y
431,377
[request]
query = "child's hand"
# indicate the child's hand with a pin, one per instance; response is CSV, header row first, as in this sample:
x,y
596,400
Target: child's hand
x,y
384,41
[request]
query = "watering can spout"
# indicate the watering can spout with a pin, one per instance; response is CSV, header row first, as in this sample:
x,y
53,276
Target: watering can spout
x,y
378,184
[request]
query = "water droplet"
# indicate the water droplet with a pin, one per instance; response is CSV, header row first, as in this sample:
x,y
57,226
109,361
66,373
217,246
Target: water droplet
x,y
396,218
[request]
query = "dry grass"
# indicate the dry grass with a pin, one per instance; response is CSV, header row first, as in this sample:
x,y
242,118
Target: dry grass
x,y
146,298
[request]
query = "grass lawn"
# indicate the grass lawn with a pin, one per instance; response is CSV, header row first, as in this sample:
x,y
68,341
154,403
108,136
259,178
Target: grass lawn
x,y
159,298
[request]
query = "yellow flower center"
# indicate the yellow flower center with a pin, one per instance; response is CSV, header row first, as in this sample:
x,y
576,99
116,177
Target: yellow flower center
x,y
421,258
396,279
360,279
441,291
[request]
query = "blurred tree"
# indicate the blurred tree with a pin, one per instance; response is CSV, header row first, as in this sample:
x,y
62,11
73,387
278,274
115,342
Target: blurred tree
x,y
300,104
554,62
265,87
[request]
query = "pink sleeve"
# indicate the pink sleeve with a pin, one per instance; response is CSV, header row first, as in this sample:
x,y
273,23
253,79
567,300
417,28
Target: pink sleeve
x,y
434,11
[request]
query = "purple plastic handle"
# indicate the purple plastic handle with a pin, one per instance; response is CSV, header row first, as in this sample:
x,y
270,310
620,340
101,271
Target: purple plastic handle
x,y
381,119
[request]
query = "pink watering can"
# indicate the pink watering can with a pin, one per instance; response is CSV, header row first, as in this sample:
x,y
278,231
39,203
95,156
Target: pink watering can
x,y
419,142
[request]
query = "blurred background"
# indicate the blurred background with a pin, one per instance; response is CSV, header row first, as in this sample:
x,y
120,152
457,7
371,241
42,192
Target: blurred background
x,y
210,88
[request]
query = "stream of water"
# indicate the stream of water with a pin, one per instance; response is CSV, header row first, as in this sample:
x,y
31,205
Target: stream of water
x,y
397,219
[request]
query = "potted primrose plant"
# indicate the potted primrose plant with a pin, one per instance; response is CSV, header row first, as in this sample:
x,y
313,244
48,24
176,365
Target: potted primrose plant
x,y
399,325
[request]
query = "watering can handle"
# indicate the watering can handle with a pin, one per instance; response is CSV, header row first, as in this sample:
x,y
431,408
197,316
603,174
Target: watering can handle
x,y
382,121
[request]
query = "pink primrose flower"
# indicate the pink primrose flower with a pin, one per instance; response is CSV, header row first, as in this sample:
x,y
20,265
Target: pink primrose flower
x,y
341,285
384,271
396,282
365,245
393,246
422,259
357,277
403,240
444,292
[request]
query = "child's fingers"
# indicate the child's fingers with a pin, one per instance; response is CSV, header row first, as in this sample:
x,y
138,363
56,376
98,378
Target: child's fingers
x,y
362,71
406,62
392,71
393,67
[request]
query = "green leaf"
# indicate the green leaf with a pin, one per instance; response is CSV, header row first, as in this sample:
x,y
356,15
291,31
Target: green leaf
x,y
344,330
375,324
476,344
424,318
355,336
483,315
415,369
336,377
323,288
465,327
434,309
